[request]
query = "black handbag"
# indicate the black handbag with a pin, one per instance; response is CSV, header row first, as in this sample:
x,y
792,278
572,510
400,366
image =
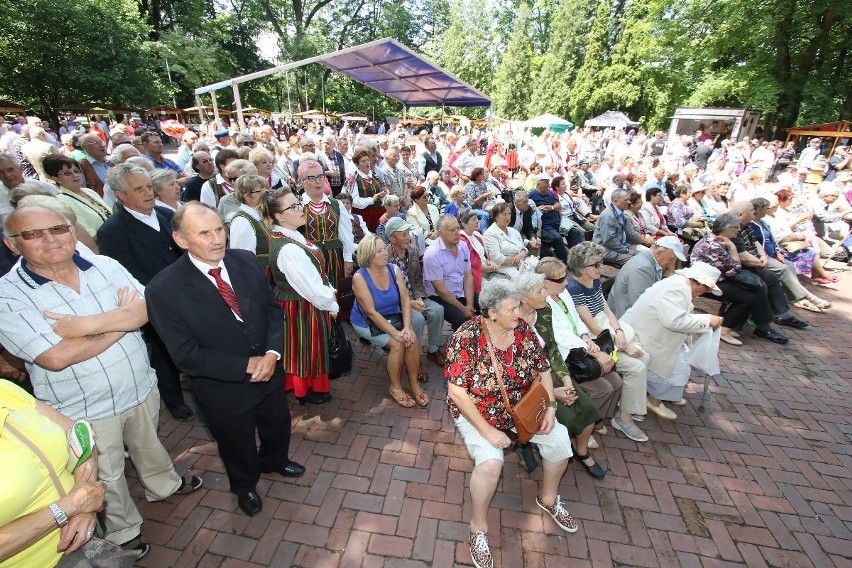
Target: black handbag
x,y
583,367
339,352
746,279
394,319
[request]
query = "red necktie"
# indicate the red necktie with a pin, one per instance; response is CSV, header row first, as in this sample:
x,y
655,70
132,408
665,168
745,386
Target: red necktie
x,y
226,291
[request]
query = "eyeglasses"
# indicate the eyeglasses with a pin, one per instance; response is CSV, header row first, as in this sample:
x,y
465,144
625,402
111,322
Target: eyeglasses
x,y
313,179
68,173
39,233
255,192
558,280
597,264
248,143
296,205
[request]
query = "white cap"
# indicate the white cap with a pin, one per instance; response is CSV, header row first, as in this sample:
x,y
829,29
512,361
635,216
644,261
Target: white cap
x,y
703,273
672,243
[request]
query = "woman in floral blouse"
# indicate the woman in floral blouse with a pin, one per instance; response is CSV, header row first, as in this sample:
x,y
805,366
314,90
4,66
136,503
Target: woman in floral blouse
x,y
746,301
477,407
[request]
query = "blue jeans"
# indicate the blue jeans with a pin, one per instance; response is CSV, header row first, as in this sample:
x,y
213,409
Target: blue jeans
x,y
484,218
553,239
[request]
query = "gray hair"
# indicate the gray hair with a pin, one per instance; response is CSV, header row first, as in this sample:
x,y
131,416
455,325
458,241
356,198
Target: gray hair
x,y
433,175
115,176
244,137
522,196
527,281
390,200
725,221
444,219
159,178
140,162
4,156
27,189
49,201
119,153
240,167
494,292
827,188
580,255
247,183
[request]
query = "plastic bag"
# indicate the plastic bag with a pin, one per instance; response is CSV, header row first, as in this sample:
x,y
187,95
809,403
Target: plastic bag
x,y
704,354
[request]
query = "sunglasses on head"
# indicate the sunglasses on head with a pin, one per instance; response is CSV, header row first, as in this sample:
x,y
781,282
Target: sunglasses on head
x,y
557,280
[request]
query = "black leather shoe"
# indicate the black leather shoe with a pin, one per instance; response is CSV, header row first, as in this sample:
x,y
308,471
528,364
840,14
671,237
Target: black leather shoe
x,y
793,322
595,470
250,503
772,335
314,398
292,469
182,412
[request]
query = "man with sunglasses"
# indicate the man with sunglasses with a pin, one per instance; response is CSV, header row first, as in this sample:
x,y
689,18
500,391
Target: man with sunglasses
x,y
76,323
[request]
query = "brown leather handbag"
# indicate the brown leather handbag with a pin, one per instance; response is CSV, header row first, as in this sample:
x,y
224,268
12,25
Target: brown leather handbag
x,y
529,413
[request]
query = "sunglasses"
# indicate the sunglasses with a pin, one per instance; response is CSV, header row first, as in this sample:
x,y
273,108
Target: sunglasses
x,y
557,280
39,233
247,143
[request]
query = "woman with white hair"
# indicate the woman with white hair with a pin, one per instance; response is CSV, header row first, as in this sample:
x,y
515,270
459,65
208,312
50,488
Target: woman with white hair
x,y
499,341
264,161
436,194
392,206
576,411
166,189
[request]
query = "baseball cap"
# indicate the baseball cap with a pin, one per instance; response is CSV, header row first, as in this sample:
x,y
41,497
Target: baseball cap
x,y
221,134
542,176
396,224
672,243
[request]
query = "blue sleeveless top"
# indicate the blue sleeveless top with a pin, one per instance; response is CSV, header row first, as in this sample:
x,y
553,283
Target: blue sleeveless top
x,y
386,301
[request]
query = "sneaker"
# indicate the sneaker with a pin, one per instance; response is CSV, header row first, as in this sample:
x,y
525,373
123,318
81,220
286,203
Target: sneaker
x,y
189,484
632,431
138,545
592,444
560,516
661,410
480,553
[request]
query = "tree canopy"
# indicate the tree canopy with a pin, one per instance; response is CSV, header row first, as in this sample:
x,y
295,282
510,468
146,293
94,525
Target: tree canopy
x,y
573,58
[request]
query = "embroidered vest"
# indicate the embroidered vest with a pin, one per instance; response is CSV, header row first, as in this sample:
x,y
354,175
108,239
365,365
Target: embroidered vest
x,y
262,234
322,228
282,288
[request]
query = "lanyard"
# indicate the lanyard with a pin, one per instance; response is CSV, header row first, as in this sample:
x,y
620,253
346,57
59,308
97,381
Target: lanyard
x,y
567,313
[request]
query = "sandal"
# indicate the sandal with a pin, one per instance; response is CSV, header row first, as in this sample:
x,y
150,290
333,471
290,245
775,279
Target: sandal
x,y
404,400
422,399
189,484
822,281
807,304
595,470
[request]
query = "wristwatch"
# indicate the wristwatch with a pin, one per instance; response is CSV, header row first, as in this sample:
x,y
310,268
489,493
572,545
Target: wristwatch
x,y
552,404
58,515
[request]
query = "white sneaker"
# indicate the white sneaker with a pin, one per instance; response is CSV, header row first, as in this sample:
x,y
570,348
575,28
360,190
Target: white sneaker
x,y
638,417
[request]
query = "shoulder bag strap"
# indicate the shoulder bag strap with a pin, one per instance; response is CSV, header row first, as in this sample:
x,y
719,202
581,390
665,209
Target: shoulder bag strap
x,y
35,449
498,368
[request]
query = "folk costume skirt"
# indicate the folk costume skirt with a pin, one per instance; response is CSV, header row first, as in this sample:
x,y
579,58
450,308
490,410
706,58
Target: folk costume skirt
x,y
305,354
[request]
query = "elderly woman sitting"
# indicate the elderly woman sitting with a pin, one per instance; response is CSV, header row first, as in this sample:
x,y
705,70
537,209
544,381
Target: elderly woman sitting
x,y
585,261
476,404
663,317
166,189
504,245
576,411
392,205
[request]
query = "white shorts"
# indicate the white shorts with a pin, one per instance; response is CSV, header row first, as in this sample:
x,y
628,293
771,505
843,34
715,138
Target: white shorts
x,y
554,446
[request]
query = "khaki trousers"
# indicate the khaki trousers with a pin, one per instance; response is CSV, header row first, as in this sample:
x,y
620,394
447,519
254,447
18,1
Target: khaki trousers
x,y
135,428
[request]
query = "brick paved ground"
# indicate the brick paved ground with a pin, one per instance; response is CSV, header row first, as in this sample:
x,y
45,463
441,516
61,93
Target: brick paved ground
x,y
760,479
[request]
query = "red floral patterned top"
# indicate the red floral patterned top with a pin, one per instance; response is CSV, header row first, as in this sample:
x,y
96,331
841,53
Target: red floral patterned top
x,y
469,366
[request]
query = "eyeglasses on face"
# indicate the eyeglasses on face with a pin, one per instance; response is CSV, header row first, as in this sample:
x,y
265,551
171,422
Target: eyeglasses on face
x,y
34,234
256,191
312,179
70,172
597,264
296,205
248,143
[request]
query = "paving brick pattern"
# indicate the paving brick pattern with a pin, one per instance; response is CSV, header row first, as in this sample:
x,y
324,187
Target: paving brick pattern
x,y
761,478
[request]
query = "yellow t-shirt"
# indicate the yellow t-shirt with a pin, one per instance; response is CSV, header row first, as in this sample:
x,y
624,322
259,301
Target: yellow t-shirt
x,y
25,484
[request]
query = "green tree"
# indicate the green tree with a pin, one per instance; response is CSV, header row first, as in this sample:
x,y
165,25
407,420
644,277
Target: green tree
x,y
558,67
513,81
583,100
100,58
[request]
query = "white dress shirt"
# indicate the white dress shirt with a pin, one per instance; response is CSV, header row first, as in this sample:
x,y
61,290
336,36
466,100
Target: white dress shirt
x,y
241,233
303,275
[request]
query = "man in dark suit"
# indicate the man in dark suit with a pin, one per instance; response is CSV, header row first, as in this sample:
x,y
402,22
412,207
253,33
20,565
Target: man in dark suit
x,y
522,218
216,313
139,236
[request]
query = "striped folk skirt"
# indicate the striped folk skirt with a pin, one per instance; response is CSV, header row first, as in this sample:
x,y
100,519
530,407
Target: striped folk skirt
x,y
305,354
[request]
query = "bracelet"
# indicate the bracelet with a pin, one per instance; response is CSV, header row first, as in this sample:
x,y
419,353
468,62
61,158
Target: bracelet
x,y
619,329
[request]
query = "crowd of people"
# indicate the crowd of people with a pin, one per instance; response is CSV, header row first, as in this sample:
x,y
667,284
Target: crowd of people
x,y
232,264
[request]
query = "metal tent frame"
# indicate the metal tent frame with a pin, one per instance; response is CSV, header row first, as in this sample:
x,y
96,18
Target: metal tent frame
x,y
384,65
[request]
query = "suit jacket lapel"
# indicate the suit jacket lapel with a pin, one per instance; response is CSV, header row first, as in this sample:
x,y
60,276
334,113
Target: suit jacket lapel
x,y
205,292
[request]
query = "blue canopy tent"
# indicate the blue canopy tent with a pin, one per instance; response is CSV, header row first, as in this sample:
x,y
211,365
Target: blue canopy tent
x,y
384,65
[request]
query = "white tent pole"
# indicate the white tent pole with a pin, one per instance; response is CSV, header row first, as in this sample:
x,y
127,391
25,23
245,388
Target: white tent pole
x,y
215,106
289,103
239,104
198,104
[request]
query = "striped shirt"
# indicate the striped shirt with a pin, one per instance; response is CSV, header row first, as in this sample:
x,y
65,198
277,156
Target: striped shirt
x,y
592,297
106,385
